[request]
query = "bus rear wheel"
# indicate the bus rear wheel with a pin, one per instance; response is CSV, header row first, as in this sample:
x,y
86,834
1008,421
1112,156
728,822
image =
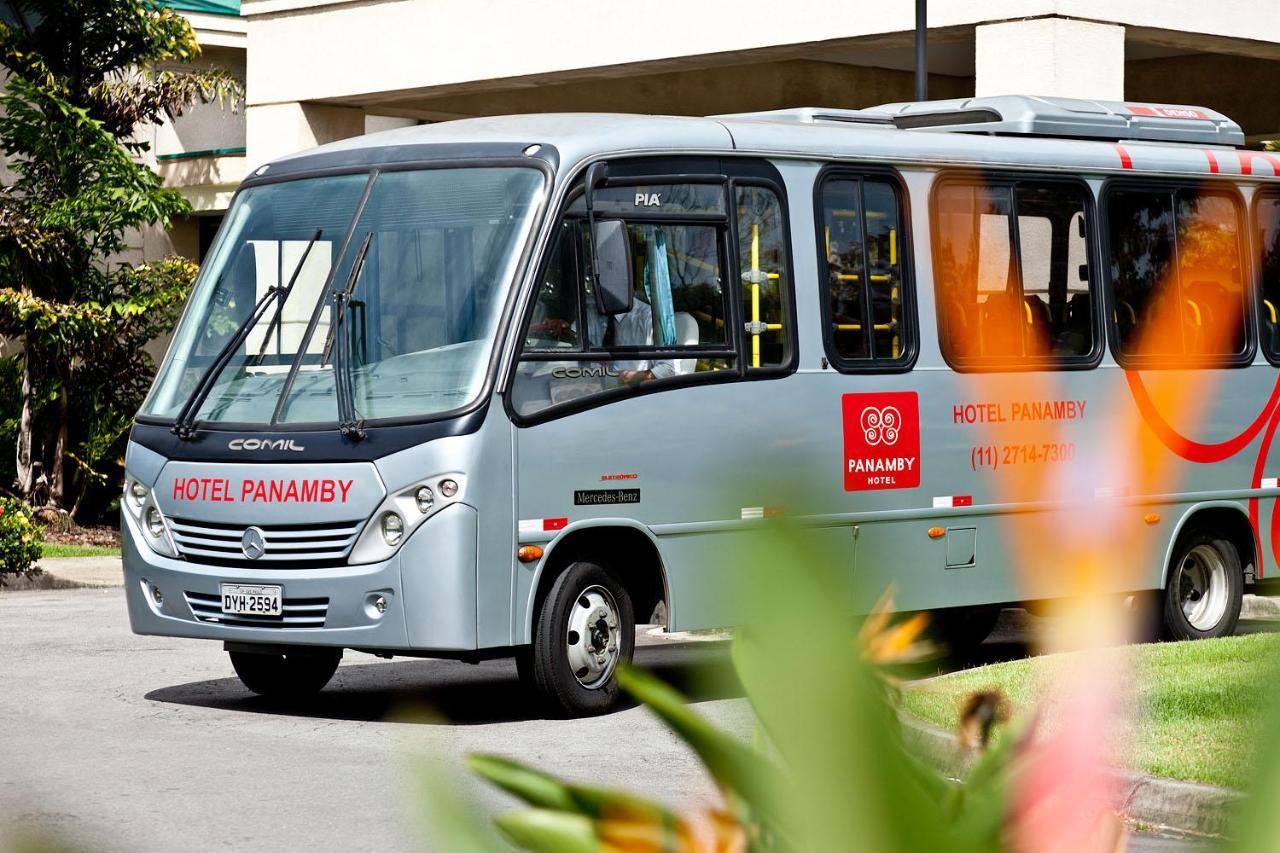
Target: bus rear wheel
x,y
289,675
585,629
961,630
1205,589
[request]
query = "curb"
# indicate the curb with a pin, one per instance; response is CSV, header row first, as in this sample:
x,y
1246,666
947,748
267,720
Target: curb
x,y
1260,607
90,572
658,634
1184,807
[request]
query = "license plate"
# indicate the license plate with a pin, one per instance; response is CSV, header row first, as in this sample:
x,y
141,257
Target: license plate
x,y
251,600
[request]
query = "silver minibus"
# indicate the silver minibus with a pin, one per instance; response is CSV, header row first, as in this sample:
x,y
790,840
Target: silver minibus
x,y
510,386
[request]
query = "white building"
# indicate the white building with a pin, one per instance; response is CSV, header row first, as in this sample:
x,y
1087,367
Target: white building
x,y
320,70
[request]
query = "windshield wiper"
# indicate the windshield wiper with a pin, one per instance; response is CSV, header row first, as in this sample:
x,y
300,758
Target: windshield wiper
x,y
184,426
348,423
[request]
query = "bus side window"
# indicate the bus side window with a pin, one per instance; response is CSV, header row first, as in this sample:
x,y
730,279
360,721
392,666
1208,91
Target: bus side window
x,y
975,273
1268,230
680,312
1012,274
862,244
765,289
1176,273
1210,272
556,311
1054,258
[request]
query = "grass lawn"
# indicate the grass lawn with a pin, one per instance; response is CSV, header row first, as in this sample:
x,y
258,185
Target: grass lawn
x,y
52,549
1200,707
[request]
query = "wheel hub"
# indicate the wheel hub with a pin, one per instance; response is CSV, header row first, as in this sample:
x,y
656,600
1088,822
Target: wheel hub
x,y
592,641
1202,587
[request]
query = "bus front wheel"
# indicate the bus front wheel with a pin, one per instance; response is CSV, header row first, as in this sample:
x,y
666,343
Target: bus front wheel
x,y
584,630
1205,589
289,675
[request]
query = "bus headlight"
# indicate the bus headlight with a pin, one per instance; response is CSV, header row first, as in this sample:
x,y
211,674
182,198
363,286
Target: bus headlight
x,y
402,512
135,497
139,503
155,530
155,523
425,499
392,529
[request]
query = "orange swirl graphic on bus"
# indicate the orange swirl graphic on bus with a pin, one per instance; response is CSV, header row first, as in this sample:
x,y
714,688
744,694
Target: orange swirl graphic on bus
x,y
1195,451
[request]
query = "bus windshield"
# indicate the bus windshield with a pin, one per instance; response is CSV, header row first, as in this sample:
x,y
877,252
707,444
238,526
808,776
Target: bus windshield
x,y
437,247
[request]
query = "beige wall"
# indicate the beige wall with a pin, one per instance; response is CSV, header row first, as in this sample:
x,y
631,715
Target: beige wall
x,y
308,50
273,130
1060,57
317,67
1239,86
300,51
204,127
736,88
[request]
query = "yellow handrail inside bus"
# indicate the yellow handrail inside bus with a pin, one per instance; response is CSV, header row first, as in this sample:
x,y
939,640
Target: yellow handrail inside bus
x,y
878,278
845,213
894,307
1195,309
853,276
857,327
893,318
755,294
694,261
1133,318
1271,309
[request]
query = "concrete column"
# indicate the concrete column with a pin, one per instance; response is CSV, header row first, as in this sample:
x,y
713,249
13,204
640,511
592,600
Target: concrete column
x,y
1050,56
273,130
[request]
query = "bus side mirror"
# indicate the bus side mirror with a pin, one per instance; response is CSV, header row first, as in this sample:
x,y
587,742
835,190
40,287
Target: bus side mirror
x,y
615,291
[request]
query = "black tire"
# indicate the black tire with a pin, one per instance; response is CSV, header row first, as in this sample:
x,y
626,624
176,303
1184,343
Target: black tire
x,y
961,630
1204,588
292,675
547,662
524,668
1146,614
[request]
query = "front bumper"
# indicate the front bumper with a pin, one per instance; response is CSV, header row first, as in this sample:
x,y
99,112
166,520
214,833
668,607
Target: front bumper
x,y
429,587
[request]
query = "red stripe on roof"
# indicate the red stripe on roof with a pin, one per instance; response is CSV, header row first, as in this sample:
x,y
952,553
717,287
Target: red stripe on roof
x,y
1213,161
1247,158
1167,112
1126,161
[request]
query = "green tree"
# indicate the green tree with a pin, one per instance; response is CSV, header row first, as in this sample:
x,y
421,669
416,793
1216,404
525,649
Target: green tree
x,y
83,77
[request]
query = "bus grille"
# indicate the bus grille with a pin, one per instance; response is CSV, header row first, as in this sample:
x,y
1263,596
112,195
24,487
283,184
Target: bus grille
x,y
300,545
298,612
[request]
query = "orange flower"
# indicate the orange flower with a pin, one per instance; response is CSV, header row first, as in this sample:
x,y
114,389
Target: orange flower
x,y
883,643
713,831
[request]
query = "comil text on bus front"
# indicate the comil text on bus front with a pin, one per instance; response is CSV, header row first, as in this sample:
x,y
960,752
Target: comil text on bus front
x,y
1033,410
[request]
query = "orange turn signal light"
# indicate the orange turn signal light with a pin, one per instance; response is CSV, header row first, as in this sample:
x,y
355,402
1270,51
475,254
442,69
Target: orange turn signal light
x,y
937,532
529,553
1151,518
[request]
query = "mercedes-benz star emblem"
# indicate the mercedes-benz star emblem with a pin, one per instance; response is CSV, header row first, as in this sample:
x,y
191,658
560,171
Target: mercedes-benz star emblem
x,y
252,543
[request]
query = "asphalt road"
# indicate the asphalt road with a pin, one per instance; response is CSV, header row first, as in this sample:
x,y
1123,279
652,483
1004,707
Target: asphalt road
x,y
115,742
